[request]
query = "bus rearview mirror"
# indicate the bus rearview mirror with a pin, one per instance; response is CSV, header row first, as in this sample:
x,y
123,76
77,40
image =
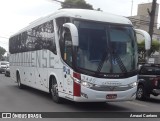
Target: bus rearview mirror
x,y
143,36
74,33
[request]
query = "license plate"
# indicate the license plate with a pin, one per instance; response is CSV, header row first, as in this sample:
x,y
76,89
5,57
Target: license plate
x,y
111,96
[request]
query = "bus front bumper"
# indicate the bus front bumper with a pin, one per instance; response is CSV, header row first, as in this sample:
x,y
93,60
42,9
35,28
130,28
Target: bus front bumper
x,y
89,95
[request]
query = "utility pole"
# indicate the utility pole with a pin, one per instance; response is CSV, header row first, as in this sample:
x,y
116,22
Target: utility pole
x,y
131,7
152,17
151,24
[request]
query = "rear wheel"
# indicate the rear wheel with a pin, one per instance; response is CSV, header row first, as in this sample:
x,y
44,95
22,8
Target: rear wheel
x,y
54,91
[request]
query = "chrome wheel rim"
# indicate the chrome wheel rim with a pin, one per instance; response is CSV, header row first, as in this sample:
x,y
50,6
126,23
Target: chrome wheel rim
x,y
139,92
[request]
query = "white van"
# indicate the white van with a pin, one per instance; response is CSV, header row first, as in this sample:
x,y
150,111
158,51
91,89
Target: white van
x,y
3,65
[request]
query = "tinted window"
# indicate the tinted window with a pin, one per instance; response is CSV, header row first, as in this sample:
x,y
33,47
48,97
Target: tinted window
x,y
150,71
3,63
68,47
106,48
60,21
37,38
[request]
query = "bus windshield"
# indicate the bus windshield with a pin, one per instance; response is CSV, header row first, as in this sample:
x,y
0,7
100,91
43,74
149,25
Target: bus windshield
x,y
106,48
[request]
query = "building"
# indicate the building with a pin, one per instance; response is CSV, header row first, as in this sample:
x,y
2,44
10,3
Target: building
x,y
142,21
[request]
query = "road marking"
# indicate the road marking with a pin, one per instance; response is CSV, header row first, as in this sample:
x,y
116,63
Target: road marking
x,y
137,104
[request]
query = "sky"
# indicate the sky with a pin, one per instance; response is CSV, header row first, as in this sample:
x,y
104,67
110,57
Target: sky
x,y
17,14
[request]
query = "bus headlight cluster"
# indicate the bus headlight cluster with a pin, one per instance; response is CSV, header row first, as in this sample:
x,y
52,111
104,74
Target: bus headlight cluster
x,y
134,84
86,84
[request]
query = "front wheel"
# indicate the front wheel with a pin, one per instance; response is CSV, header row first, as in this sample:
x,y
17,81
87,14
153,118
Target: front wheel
x,y
19,82
141,93
54,92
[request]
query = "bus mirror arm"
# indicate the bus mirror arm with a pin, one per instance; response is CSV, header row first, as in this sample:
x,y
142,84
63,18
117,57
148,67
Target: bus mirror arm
x,y
74,33
146,36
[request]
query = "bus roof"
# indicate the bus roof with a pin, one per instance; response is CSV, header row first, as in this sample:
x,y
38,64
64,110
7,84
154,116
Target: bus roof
x,y
81,14
93,15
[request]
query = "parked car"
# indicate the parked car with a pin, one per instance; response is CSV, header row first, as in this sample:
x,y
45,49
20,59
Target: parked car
x,y
3,65
148,81
7,71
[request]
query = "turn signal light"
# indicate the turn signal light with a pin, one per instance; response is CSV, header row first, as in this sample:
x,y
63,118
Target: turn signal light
x,y
76,84
76,89
77,75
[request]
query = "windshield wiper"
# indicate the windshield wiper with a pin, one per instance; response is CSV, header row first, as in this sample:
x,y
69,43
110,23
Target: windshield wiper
x,y
109,56
120,63
104,58
132,40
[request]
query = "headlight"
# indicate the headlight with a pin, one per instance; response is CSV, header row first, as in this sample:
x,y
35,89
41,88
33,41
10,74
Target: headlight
x,y
134,84
86,84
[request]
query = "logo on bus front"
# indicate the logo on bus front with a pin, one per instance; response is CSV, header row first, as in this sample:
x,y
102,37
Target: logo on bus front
x,y
114,61
111,83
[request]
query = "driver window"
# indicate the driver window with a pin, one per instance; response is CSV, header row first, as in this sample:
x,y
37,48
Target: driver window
x,y
67,47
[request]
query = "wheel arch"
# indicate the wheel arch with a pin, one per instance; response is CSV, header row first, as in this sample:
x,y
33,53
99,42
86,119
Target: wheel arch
x,y
52,76
141,82
17,72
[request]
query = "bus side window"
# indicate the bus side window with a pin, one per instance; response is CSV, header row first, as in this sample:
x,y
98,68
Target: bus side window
x,y
67,47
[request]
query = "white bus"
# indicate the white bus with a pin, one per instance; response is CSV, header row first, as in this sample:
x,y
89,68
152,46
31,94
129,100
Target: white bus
x,y
79,55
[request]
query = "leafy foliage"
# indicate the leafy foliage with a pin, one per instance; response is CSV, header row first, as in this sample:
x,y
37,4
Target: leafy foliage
x,y
81,4
2,52
154,47
142,52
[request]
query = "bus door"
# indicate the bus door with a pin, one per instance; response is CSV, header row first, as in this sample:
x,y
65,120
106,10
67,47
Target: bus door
x,y
67,71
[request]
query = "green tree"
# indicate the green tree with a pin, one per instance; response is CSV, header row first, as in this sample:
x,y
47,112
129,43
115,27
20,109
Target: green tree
x,y
81,4
2,52
142,52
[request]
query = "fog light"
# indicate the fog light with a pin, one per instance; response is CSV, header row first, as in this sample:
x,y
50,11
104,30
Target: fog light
x,y
84,95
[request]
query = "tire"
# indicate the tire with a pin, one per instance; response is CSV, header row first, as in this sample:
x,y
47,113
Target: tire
x,y
6,74
141,93
54,91
19,81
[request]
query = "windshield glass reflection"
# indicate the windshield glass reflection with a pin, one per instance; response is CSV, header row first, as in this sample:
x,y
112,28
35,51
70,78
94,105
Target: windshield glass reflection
x,y
106,48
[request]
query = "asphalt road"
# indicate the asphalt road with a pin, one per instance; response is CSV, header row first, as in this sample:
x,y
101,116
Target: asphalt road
x,y
13,99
